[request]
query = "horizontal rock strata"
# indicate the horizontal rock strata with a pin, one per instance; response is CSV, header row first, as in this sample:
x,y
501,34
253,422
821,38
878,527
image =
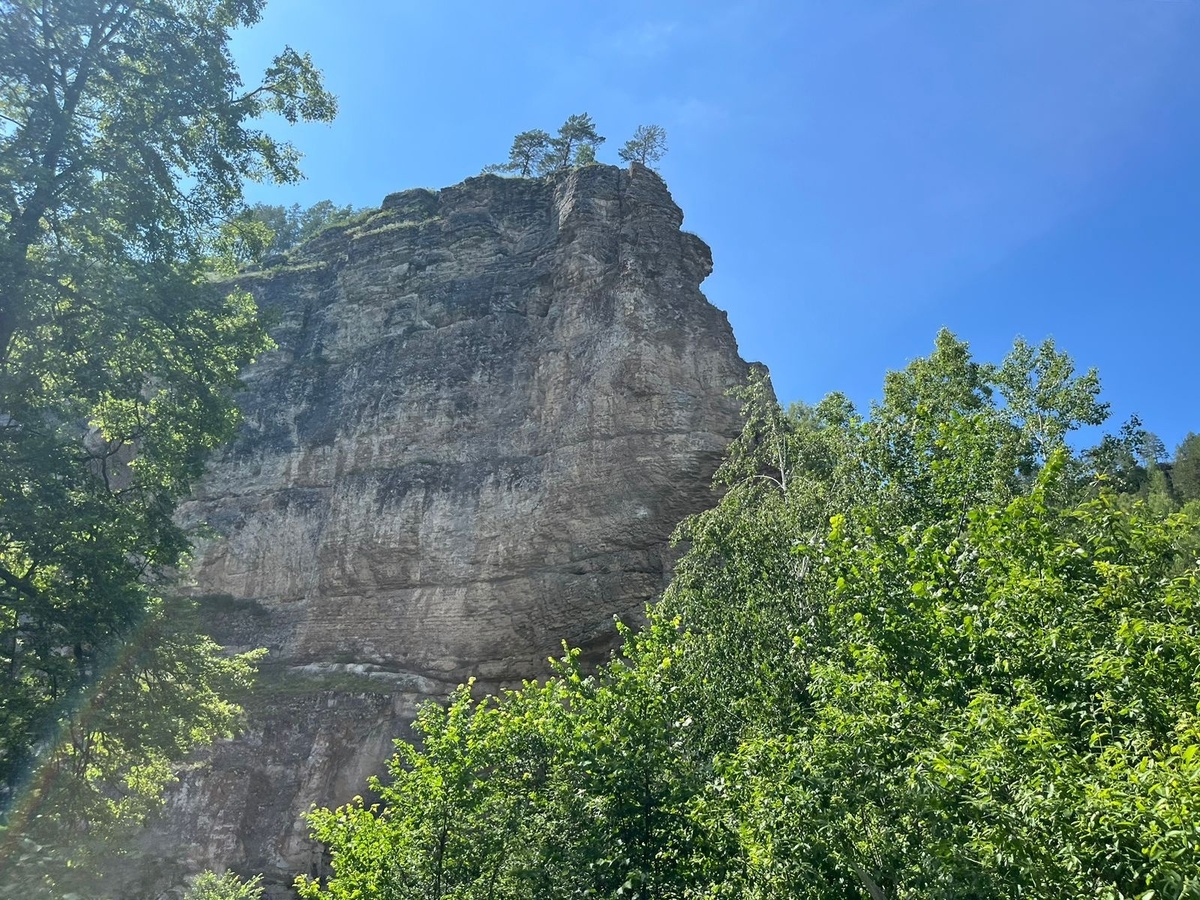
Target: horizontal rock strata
x,y
489,407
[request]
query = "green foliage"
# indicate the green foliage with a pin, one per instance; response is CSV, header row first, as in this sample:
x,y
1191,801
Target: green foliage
x,y
125,139
585,155
537,153
1133,463
574,135
227,886
646,147
572,787
1185,471
525,157
164,691
116,753
922,653
968,703
1115,458
285,227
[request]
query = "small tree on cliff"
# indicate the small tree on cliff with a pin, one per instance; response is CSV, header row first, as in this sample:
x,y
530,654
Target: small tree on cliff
x,y
575,134
525,157
585,156
535,152
646,147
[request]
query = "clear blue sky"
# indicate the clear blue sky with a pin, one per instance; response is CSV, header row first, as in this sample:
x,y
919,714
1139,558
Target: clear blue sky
x,y
866,171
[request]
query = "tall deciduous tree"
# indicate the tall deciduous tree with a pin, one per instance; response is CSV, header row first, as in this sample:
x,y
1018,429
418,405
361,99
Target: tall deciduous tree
x,y
647,146
125,137
916,653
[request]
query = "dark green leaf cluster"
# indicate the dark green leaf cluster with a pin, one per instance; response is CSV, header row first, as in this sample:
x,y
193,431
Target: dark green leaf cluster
x,y
1185,470
126,136
1134,461
924,652
160,692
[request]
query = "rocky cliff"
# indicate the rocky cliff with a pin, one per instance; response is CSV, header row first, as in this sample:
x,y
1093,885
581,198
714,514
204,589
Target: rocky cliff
x,y
489,407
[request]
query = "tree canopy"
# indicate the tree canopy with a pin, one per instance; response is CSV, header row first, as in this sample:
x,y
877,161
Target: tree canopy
x,y
646,147
1185,470
536,152
126,135
287,226
922,652
226,886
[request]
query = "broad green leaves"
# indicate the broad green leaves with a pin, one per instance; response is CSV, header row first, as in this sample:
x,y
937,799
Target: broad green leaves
x,y
914,654
227,886
126,136
974,702
573,787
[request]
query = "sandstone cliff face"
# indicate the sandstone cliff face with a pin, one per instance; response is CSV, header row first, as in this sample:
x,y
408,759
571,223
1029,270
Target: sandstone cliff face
x,y
490,406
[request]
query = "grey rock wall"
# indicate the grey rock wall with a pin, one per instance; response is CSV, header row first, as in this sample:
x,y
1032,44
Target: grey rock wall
x,y
489,407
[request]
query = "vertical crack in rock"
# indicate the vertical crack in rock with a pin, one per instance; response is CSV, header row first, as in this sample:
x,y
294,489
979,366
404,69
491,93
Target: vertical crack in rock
x,y
489,407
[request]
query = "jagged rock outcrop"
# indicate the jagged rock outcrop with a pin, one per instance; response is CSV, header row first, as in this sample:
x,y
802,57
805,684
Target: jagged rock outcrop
x,y
489,407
